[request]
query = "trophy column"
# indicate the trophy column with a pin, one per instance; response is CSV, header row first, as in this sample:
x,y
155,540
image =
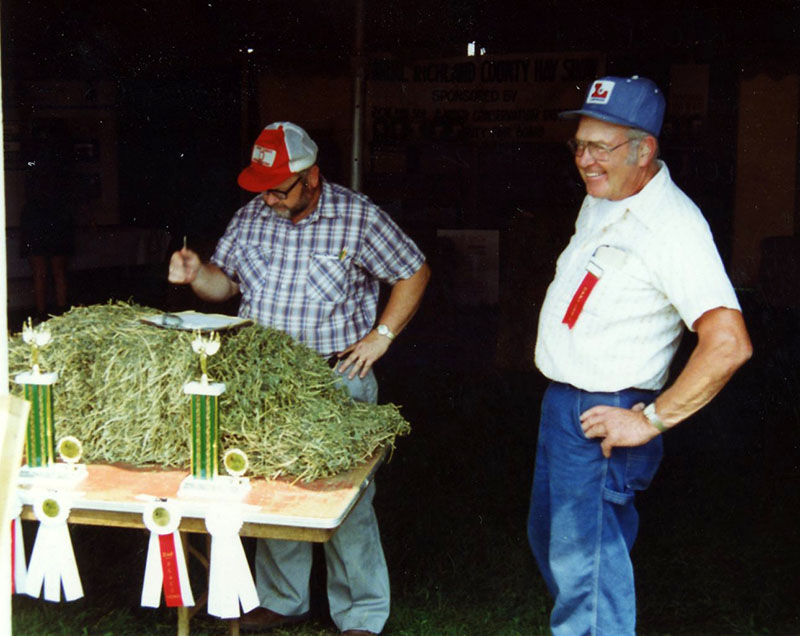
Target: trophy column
x,y
40,448
204,441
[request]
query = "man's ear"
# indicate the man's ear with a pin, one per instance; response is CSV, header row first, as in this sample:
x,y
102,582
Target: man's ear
x,y
647,150
312,178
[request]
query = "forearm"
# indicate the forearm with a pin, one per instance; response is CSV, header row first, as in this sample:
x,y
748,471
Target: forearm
x,y
212,284
405,299
403,303
723,346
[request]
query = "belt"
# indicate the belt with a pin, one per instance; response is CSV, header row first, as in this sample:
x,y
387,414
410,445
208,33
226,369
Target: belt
x,y
630,388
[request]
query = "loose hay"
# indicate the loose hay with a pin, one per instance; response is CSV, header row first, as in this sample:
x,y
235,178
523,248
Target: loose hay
x,y
120,391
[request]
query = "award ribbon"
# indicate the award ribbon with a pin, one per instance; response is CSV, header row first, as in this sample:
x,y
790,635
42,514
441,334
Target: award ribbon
x,y
166,563
19,571
53,560
593,274
229,578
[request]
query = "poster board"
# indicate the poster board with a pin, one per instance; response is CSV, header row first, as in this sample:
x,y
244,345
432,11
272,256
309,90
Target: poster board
x,y
487,98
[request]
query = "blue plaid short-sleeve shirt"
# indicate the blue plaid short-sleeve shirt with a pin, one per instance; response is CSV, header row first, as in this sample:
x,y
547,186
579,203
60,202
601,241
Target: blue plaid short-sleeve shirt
x,y
317,280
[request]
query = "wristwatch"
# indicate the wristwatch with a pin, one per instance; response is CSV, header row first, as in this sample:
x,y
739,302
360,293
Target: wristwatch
x,y
652,417
385,331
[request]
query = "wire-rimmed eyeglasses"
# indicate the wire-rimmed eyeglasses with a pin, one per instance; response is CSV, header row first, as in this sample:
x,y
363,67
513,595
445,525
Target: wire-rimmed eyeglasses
x,y
598,151
282,194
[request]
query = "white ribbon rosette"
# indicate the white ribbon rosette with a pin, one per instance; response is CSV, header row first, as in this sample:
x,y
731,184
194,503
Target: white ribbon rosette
x,y
19,570
53,560
229,578
166,563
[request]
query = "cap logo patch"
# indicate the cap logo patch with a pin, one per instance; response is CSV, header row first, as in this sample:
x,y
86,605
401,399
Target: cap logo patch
x,y
264,156
601,93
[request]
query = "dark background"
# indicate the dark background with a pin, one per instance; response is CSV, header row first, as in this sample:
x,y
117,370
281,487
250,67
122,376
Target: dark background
x,y
719,538
183,75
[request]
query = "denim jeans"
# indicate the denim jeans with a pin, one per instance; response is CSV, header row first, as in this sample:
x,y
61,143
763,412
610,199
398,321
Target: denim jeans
x,y
582,521
360,389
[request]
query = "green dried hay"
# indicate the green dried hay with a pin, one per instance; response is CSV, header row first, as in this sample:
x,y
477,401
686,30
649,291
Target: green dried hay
x,y
120,391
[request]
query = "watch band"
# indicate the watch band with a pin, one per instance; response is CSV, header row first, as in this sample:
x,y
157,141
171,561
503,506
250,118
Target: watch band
x,y
385,331
652,417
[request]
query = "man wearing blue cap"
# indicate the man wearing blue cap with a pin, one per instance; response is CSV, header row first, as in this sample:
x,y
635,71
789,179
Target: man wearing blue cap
x,y
641,264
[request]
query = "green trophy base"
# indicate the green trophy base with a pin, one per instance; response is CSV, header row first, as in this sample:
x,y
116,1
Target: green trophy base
x,y
204,434
40,449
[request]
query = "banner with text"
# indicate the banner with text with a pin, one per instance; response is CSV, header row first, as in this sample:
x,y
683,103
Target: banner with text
x,y
504,98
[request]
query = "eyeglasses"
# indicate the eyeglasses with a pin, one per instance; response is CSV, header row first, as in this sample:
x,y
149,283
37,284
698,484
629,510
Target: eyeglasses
x,y
282,194
599,152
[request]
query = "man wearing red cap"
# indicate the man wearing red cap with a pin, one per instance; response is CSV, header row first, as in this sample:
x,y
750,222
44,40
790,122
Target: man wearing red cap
x,y
307,257
641,265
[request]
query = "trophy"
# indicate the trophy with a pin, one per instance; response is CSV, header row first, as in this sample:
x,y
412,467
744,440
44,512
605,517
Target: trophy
x,y
204,435
38,390
205,411
40,445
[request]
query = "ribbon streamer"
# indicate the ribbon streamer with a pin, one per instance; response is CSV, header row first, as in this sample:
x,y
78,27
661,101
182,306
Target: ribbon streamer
x,y
53,560
166,563
593,274
19,571
229,578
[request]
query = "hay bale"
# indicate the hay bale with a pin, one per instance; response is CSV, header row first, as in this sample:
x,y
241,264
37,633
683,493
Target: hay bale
x,y
120,391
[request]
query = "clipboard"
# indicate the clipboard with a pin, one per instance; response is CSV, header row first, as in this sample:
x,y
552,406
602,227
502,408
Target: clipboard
x,y
195,321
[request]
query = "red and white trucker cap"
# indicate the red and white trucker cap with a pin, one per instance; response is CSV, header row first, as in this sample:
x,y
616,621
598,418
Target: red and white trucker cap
x,y
281,150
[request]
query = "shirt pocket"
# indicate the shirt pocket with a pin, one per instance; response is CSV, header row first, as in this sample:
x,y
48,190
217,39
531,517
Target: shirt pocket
x,y
612,267
610,258
253,266
327,278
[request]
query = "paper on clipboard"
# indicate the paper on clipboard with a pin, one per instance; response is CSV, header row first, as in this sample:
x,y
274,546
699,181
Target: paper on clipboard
x,y
195,321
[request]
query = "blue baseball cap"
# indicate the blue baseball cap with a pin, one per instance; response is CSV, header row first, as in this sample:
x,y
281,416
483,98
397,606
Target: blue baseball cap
x,y
628,101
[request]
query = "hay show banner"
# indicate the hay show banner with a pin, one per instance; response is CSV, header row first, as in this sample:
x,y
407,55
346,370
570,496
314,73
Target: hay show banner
x,y
480,99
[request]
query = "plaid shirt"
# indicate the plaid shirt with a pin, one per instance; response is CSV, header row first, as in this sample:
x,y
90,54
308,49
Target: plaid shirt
x,y
317,280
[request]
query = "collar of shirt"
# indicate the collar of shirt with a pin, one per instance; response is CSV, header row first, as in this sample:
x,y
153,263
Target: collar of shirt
x,y
324,208
641,203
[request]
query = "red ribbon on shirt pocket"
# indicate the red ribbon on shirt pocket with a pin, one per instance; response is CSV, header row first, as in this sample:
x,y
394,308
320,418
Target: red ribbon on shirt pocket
x,y
593,274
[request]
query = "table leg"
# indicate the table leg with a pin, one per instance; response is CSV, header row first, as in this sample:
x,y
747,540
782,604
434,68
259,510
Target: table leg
x,y
184,613
183,621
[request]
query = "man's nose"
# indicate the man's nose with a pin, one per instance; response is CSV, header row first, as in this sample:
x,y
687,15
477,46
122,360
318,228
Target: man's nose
x,y
584,159
270,199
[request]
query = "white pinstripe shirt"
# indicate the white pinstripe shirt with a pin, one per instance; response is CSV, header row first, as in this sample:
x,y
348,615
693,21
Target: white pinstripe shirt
x,y
317,280
659,269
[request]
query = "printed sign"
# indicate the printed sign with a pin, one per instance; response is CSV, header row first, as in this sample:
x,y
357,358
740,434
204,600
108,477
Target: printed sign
x,y
481,99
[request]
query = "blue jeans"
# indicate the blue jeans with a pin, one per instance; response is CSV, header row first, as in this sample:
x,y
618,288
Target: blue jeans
x,y
582,520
